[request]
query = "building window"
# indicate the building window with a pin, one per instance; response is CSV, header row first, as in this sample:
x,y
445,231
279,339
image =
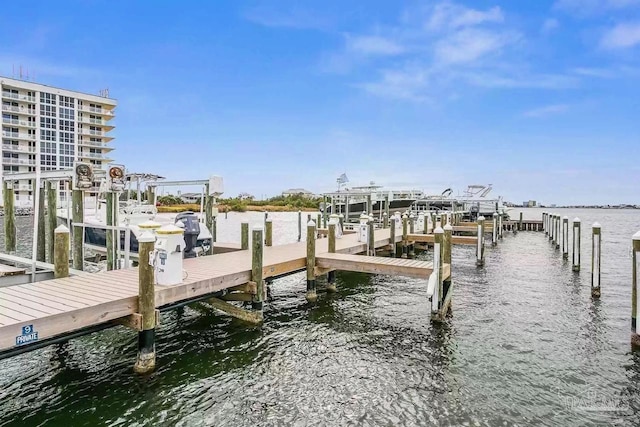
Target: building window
x,y
47,135
67,137
47,110
66,113
67,125
47,123
48,161
47,98
66,101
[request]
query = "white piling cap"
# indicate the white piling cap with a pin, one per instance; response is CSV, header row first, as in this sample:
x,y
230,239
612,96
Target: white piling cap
x,y
269,220
396,213
334,221
596,225
438,230
261,228
576,219
384,214
311,223
636,236
149,225
566,217
448,227
61,229
404,215
481,218
364,216
340,216
146,237
495,214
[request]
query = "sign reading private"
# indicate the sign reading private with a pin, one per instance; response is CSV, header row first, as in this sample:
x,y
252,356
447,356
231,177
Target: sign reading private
x,y
28,335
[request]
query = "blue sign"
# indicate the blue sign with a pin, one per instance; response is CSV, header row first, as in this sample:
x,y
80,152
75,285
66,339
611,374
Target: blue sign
x,y
28,335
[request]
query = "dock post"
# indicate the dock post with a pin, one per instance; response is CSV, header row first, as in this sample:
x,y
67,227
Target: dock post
x,y
319,220
299,225
576,244
110,244
500,226
371,239
208,215
385,220
550,225
78,232
480,244
558,229
369,208
346,208
446,259
544,222
520,223
331,276
325,215
244,236
9,217
268,232
386,205
405,220
61,252
52,217
494,232
392,237
635,278
146,361
257,258
412,223
565,237
41,243
596,255
438,249
312,296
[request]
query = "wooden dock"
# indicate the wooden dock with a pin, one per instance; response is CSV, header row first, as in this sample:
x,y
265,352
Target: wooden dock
x,y
34,314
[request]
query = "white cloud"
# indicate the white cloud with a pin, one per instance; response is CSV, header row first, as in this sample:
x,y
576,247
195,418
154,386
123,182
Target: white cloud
x,y
548,110
520,80
406,84
592,7
373,45
622,36
469,45
549,25
452,16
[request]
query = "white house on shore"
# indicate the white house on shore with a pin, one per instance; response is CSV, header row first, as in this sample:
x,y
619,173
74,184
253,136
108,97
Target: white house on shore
x,y
298,192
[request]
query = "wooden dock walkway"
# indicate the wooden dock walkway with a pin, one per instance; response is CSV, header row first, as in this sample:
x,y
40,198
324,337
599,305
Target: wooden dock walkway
x,y
39,311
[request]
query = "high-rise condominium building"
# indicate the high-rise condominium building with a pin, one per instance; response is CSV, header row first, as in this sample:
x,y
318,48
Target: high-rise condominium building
x,y
65,126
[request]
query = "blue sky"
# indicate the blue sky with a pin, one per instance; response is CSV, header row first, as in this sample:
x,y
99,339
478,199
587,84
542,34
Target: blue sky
x,y
539,98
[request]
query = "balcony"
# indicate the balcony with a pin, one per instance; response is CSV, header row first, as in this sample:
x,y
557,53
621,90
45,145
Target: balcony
x,y
18,96
18,162
22,187
97,156
22,123
95,110
18,148
19,110
92,132
102,145
17,135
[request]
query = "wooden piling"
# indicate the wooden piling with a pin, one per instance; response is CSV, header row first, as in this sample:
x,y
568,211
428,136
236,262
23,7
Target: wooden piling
x,y
257,263
438,253
557,232
146,360
480,245
405,220
596,255
244,236
385,220
369,208
268,232
9,218
576,244
52,217
386,206
312,296
319,220
61,252
299,225
109,233
392,236
500,215
494,231
77,218
371,238
41,243
520,223
565,237
331,275
208,215
635,292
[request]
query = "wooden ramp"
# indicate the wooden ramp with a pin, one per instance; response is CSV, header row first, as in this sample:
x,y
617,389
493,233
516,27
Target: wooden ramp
x,y
379,265
430,238
39,311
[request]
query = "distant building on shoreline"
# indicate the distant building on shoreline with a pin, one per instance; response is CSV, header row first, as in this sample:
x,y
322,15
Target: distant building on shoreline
x,y
529,204
298,192
59,126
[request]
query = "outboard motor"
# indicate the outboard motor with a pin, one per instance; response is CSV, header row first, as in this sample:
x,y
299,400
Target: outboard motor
x,y
191,228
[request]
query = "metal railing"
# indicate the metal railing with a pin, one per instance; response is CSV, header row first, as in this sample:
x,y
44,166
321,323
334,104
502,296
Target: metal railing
x,y
22,149
18,96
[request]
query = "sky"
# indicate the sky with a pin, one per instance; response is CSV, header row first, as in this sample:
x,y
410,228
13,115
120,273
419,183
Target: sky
x,y
539,98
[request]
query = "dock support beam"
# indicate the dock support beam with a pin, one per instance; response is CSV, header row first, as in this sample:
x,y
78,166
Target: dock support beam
x,y
257,259
596,254
208,215
9,218
385,220
480,246
78,233
61,252
635,278
299,225
52,217
405,220
438,252
565,237
312,295
520,222
244,236
576,244
42,245
494,232
371,240
392,237
146,361
109,233
331,276
268,232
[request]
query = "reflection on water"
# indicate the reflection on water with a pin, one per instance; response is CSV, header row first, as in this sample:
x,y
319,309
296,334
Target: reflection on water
x,y
526,345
